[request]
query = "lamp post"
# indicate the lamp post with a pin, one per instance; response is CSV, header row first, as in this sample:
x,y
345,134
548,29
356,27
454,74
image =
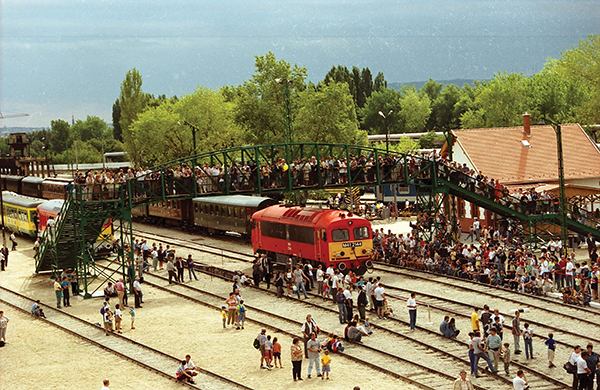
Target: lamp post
x,y
561,185
387,152
194,130
287,113
387,130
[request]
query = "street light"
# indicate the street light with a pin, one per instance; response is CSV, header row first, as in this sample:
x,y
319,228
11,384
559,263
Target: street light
x,y
387,130
561,184
287,114
387,152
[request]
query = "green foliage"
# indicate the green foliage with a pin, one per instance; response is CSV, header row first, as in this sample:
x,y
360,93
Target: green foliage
x,y
327,116
132,102
259,101
116,117
385,101
92,127
414,110
405,144
163,135
59,135
580,69
431,140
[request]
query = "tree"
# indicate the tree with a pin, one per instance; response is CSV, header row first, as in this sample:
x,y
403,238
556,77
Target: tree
x,y
415,110
379,83
92,127
163,134
116,117
132,102
405,144
500,102
59,135
328,116
580,69
259,101
385,101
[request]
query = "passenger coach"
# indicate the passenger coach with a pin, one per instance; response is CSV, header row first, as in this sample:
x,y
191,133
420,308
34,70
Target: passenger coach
x,y
322,236
233,213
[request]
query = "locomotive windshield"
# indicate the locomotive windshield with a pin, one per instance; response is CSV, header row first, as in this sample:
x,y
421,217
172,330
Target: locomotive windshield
x,y
361,233
340,235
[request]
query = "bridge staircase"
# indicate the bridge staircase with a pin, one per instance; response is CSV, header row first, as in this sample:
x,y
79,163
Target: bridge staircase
x,y
84,233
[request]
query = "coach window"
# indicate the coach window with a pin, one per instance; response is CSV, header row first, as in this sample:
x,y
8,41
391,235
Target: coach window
x,y
338,235
211,209
361,233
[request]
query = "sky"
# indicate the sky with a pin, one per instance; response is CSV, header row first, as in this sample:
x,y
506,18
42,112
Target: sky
x,y
64,58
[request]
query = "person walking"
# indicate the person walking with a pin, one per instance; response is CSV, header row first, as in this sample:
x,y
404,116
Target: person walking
x,y
411,303
296,352
171,271
3,325
299,279
479,352
494,346
314,354
309,327
13,239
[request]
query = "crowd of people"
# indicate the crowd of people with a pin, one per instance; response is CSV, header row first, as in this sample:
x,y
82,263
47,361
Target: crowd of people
x,y
499,260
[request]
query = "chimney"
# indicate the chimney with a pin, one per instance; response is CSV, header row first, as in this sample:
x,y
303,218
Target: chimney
x,y
526,125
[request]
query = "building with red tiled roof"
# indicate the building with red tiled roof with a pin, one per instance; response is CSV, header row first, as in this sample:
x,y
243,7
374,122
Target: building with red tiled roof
x,y
524,157
528,154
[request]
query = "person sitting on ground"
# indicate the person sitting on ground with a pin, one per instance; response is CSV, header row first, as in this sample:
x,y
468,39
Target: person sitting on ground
x,y
190,367
354,333
444,325
37,310
182,375
109,291
451,331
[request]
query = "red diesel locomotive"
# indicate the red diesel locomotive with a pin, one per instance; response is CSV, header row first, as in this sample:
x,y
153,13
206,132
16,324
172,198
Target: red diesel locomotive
x,y
321,236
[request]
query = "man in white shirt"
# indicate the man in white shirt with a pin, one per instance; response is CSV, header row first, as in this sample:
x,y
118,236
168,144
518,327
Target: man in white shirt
x,y
520,383
379,293
583,371
105,384
569,273
190,367
411,303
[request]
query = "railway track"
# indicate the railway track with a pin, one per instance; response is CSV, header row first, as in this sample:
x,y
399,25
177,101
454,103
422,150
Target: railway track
x,y
558,307
448,354
138,353
544,380
448,350
546,317
410,372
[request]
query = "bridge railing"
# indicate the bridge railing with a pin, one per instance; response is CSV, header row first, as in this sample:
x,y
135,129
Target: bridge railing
x,y
272,168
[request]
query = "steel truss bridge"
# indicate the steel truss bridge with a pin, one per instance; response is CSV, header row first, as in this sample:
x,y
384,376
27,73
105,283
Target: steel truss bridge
x,y
268,169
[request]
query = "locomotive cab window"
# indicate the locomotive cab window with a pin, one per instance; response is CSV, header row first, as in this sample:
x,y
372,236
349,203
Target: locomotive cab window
x,y
323,235
338,235
361,233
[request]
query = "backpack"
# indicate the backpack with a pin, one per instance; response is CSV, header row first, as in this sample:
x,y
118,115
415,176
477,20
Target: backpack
x,y
256,343
102,310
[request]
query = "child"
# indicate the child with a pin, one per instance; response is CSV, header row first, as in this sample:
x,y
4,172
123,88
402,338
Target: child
x,y
325,363
224,315
277,353
368,326
506,357
107,321
118,318
132,314
241,318
551,343
337,345
269,352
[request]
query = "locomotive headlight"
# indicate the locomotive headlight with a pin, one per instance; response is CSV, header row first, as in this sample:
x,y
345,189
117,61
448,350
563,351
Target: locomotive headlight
x,y
342,253
349,222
